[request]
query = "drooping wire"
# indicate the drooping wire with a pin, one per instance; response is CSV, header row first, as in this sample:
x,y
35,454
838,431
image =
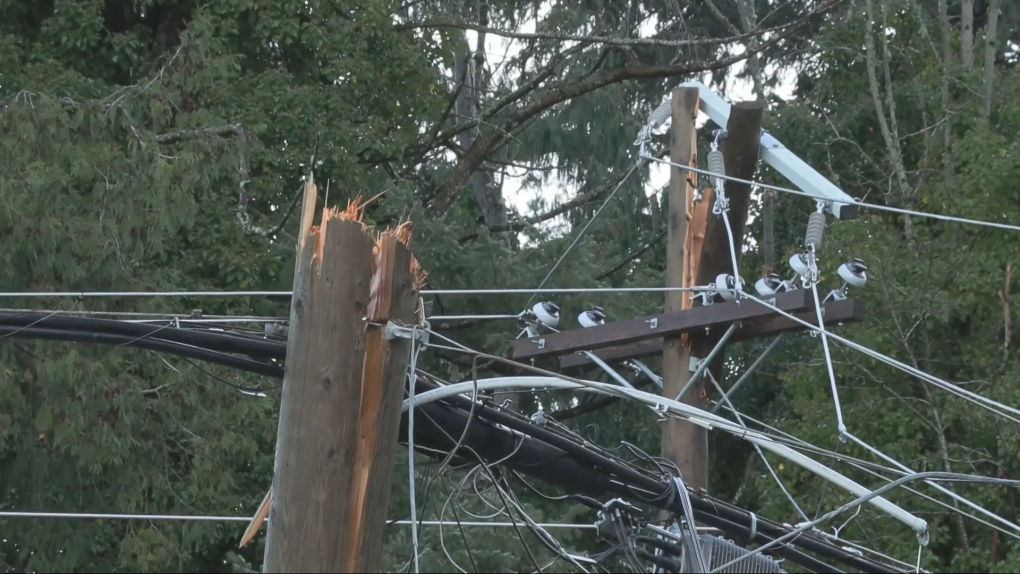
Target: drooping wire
x,y
251,391
901,211
584,229
757,449
946,476
412,372
458,443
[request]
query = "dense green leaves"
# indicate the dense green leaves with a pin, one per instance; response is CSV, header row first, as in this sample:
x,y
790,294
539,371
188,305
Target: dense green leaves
x,y
128,130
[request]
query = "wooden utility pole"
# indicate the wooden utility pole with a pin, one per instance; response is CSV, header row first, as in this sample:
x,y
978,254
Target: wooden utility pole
x,y
682,442
339,414
698,250
740,149
382,386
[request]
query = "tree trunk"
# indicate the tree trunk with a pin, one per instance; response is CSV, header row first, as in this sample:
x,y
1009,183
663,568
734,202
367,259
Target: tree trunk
x,y
967,34
888,127
947,68
486,189
990,39
749,21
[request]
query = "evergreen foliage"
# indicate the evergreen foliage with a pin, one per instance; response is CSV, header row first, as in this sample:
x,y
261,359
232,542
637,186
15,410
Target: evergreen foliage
x,y
157,145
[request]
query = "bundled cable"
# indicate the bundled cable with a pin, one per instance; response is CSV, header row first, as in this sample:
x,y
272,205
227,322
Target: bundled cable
x,y
555,457
237,352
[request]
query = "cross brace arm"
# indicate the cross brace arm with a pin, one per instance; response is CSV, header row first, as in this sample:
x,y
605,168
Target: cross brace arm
x,y
835,313
656,326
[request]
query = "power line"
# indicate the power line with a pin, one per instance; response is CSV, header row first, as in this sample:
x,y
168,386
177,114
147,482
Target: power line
x,y
471,317
182,317
584,229
984,402
202,518
510,291
819,197
142,294
922,538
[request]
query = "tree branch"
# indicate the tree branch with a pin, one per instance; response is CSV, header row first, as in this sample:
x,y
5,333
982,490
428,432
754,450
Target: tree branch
x,y
632,256
531,36
564,207
485,145
290,211
889,135
243,171
194,134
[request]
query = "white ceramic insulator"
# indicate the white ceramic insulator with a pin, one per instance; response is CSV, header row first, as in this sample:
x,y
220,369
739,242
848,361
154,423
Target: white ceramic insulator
x,y
815,231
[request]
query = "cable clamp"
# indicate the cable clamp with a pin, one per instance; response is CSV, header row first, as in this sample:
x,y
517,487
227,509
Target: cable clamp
x,y
644,134
754,525
721,205
718,136
395,331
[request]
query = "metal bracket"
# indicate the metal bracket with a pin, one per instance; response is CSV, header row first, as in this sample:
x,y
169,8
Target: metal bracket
x,y
695,363
774,153
395,331
540,343
653,323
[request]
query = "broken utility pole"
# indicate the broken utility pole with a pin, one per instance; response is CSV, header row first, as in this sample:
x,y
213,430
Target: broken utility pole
x,y
683,443
740,148
699,250
343,384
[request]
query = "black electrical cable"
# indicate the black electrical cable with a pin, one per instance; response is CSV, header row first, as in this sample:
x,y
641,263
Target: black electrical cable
x,y
240,388
565,450
557,467
671,549
584,500
222,342
151,344
668,564
766,530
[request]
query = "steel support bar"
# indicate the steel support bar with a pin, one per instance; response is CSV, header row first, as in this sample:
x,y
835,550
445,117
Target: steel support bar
x,y
748,372
704,363
774,153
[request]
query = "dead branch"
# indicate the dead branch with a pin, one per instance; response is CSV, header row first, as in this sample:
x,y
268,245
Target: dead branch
x,y
193,134
632,256
484,146
615,41
243,171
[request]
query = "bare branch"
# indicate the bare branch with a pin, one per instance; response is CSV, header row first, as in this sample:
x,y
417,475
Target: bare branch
x,y
485,145
737,37
892,141
243,170
632,256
